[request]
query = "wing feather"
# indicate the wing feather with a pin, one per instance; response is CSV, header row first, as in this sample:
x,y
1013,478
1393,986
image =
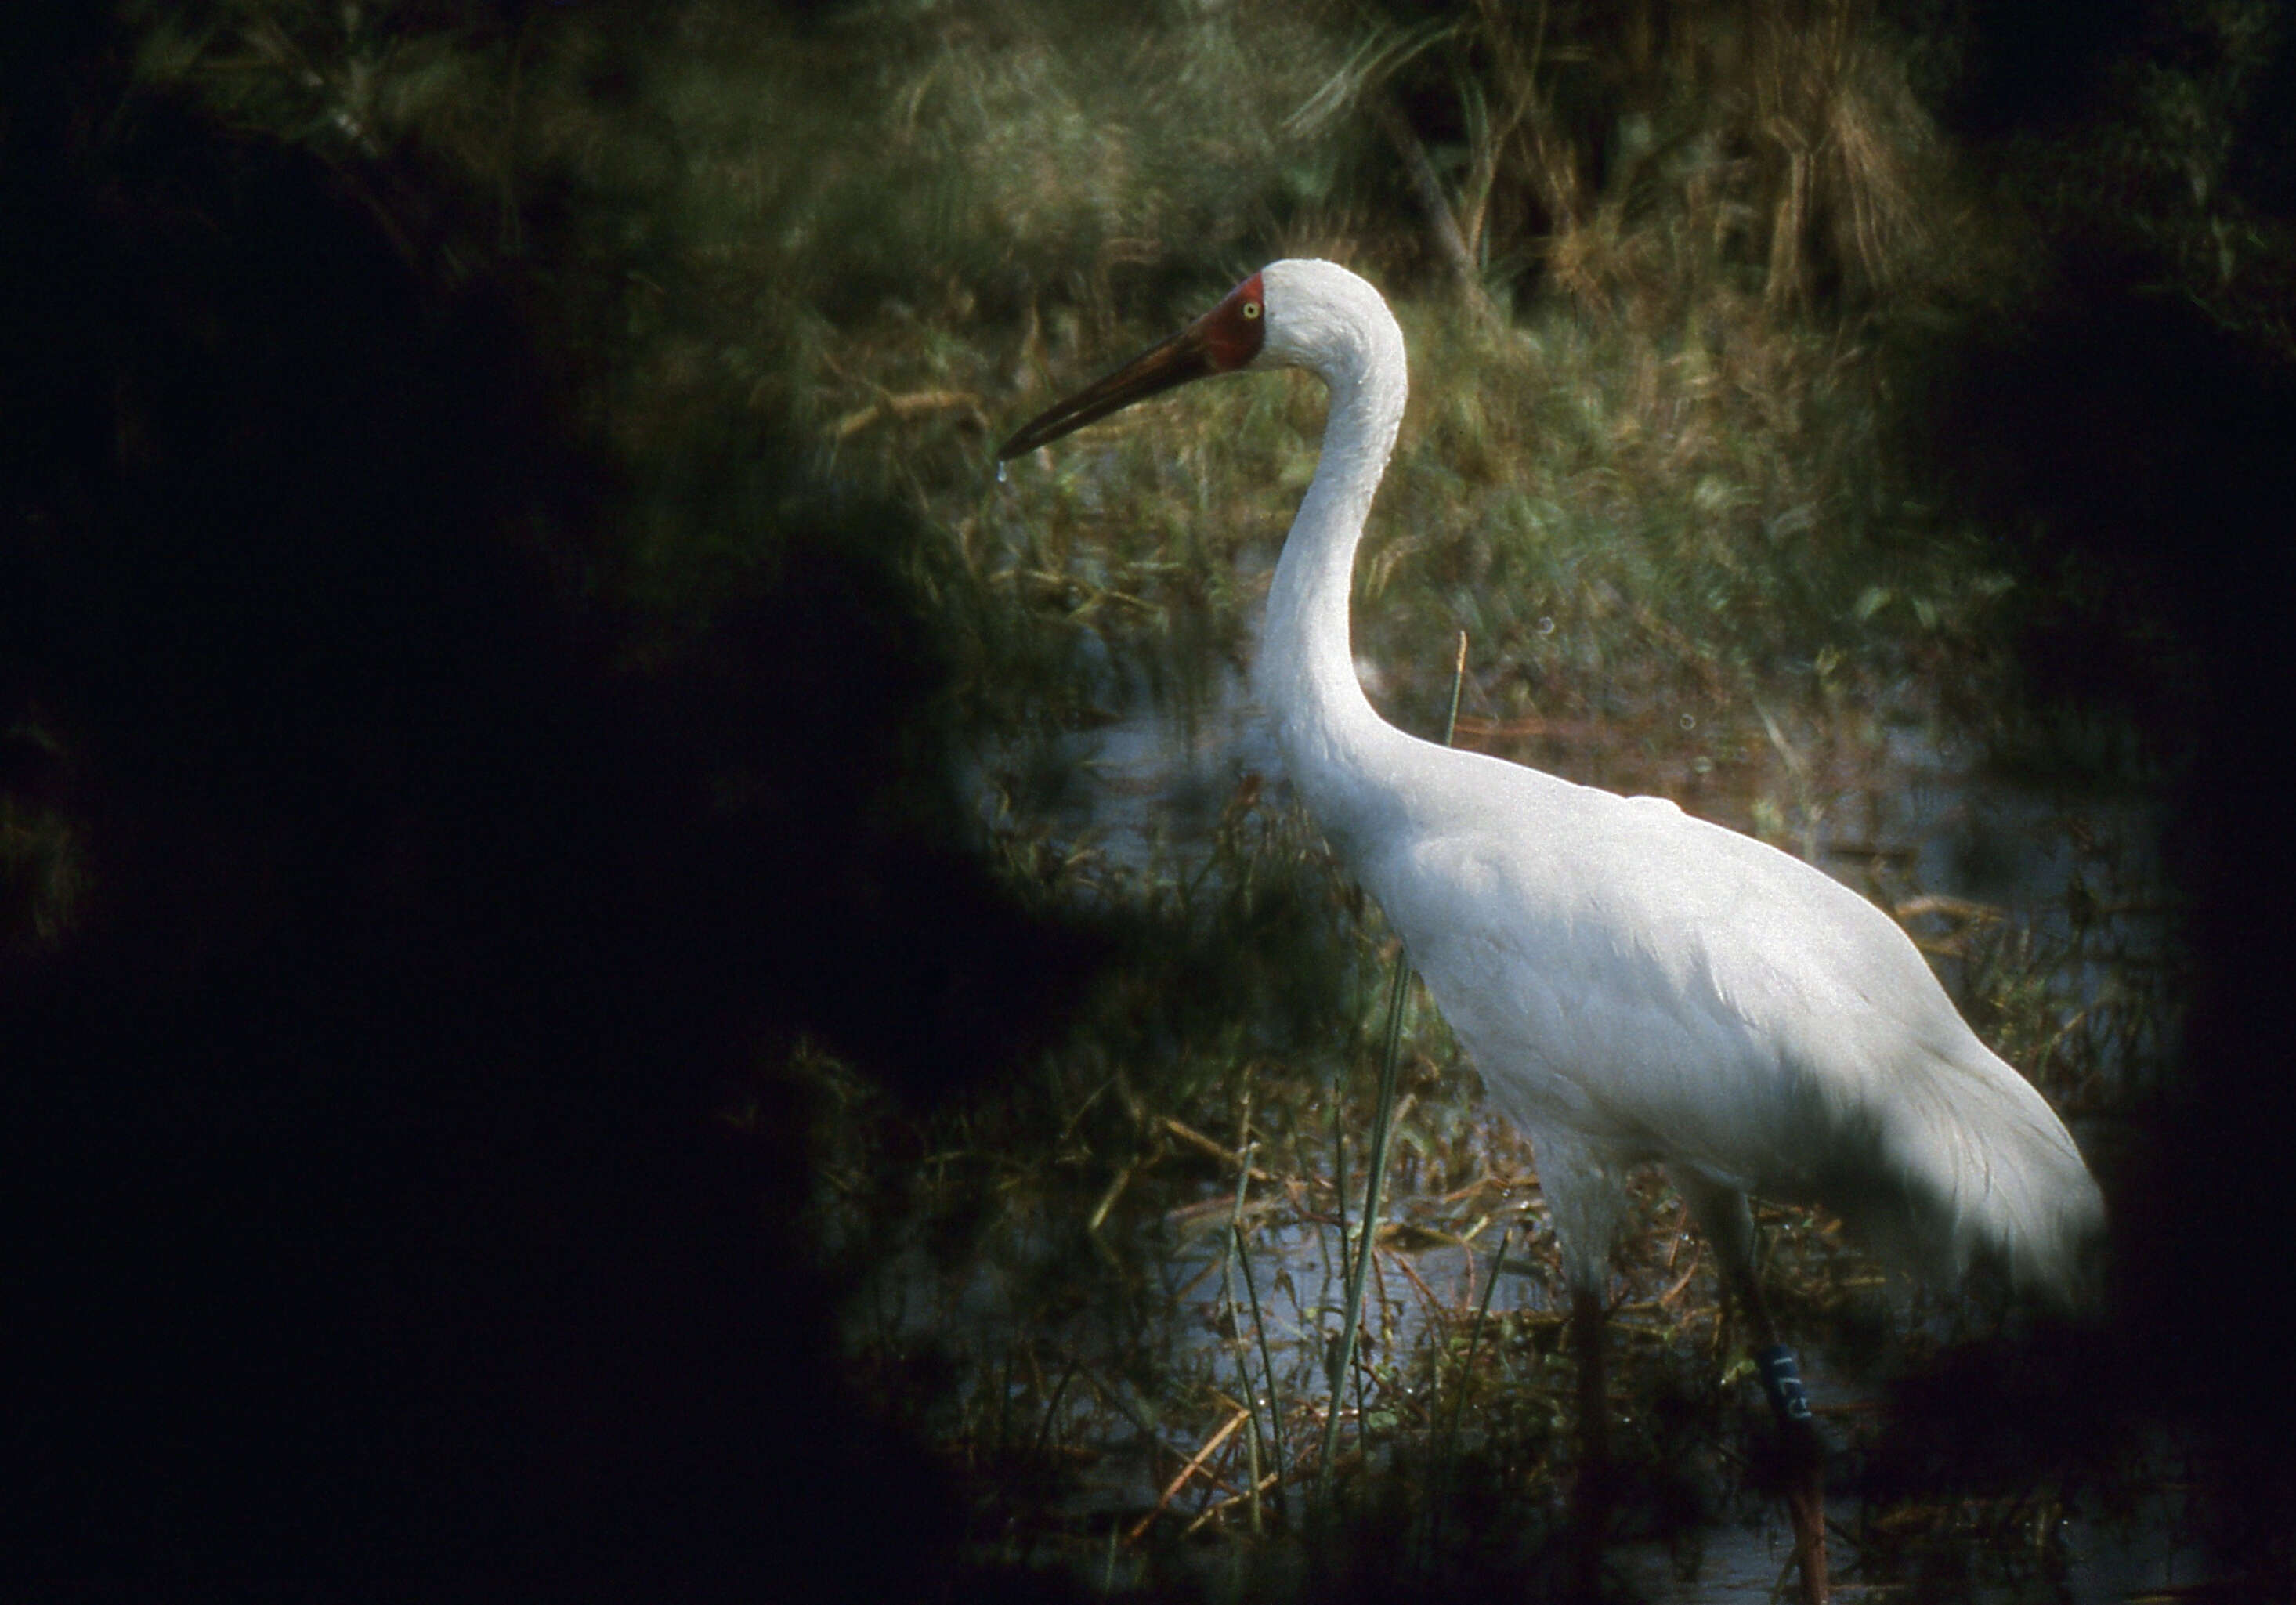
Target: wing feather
x,y
1654,986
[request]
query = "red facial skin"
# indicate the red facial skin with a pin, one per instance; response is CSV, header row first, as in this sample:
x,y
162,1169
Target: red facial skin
x,y
1233,329
1221,341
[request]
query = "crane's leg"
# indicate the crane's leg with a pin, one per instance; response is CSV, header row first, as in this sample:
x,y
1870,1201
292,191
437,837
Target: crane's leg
x,y
1588,1197
1729,1226
1591,1494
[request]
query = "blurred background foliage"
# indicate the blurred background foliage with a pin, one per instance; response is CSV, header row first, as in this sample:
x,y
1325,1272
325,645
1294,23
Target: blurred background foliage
x,y
1812,376
1726,244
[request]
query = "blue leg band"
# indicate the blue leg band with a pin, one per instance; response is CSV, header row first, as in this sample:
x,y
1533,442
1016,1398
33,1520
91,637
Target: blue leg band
x,y
1782,1381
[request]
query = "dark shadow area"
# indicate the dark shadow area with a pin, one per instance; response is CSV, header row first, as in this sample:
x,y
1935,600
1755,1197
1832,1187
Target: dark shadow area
x,y
2125,429
399,1186
2142,447
375,1211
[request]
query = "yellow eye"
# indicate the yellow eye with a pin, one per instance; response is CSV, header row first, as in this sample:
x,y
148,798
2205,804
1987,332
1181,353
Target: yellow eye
x,y
1252,309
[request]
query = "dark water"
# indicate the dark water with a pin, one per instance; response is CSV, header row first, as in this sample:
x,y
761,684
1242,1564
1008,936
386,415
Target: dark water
x,y
2006,884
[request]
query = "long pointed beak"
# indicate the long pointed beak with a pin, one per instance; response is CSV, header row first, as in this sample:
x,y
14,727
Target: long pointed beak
x,y
1186,356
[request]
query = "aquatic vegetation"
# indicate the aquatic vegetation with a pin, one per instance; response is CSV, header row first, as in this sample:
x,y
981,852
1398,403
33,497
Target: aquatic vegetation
x,y
1675,301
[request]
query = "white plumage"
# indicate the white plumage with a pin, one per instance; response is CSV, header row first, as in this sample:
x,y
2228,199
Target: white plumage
x,y
1634,985
1637,984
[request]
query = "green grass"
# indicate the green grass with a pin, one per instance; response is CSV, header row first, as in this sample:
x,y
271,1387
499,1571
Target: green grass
x,y
1683,570
1662,496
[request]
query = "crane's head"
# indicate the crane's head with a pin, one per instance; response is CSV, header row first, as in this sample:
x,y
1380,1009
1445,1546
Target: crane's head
x,y
1292,313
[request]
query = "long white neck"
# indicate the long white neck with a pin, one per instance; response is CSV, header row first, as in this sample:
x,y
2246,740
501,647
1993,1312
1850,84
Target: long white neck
x,y
1305,675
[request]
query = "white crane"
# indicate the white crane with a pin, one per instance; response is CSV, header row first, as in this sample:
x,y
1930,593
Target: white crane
x,y
1634,984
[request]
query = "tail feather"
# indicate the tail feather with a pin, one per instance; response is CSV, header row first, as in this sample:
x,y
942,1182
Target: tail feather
x,y
1962,1164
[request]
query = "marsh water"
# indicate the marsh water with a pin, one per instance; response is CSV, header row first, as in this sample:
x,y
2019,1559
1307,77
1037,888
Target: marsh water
x,y
2048,897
